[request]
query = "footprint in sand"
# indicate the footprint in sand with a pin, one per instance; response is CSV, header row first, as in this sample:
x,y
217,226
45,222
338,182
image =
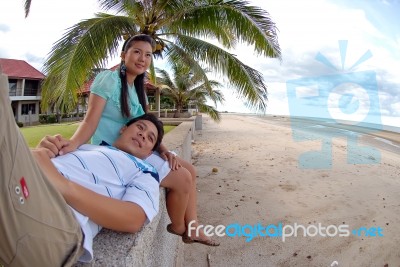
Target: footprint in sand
x,y
287,187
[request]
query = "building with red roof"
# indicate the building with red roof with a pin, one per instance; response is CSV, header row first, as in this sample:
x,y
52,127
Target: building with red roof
x,y
24,89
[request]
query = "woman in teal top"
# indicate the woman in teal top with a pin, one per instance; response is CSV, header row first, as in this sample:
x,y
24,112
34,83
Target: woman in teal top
x,y
116,97
107,85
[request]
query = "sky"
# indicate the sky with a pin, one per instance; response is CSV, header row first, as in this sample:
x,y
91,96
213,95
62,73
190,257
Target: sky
x,y
340,59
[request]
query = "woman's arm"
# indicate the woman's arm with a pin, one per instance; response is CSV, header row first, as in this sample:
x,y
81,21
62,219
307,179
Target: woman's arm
x,y
111,213
170,157
89,124
164,152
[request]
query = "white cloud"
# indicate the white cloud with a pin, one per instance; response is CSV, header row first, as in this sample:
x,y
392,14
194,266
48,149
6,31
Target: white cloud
x,y
316,26
33,37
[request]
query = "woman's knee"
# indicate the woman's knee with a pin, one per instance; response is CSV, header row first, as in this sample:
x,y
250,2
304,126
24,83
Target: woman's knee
x,y
178,180
189,167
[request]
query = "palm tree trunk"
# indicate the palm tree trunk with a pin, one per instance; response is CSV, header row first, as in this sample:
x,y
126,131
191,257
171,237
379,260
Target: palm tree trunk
x,y
178,111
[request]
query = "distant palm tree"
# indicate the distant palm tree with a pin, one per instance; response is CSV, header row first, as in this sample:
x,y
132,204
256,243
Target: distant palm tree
x,y
187,88
179,28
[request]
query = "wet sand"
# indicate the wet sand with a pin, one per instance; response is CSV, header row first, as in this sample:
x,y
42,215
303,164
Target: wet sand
x,y
257,180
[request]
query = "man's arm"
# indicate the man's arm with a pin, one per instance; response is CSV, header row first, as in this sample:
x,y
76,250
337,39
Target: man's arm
x,y
110,213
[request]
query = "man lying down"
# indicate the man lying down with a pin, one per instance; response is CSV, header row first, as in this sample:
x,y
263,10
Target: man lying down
x,y
51,209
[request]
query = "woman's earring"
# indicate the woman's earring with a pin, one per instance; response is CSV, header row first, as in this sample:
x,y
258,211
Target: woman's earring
x,y
123,68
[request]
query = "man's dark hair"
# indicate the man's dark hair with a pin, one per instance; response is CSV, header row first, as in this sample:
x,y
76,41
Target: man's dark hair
x,y
159,125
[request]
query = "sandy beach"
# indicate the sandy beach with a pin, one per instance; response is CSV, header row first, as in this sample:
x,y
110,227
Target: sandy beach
x,y
257,181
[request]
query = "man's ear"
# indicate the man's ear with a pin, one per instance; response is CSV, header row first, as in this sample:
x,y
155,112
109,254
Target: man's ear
x,y
123,129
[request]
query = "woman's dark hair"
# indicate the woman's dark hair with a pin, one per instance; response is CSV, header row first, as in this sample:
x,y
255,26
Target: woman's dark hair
x,y
139,80
159,125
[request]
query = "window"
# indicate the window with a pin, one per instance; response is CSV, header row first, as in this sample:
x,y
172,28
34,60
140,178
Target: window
x,y
12,84
28,107
31,88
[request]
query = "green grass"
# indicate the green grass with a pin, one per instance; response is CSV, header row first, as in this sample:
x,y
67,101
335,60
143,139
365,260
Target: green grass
x,y
34,134
168,128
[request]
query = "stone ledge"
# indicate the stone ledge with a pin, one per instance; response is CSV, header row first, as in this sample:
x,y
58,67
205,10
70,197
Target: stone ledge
x,y
153,245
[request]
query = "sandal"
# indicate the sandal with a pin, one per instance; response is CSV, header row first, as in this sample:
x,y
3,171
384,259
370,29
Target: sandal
x,y
209,242
184,236
187,240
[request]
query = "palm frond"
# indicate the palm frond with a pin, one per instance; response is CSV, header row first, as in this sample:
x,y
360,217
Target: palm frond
x,y
217,97
200,91
211,111
27,7
164,78
80,50
177,26
230,22
203,20
121,6
185,89
253,26
177,55
247,81
152,74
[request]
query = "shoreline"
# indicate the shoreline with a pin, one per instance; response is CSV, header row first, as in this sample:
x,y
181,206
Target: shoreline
x,y
385,127
384,139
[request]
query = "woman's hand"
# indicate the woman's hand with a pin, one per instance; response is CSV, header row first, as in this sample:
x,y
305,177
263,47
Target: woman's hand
x,y
172,159
69,146
57,145
52,144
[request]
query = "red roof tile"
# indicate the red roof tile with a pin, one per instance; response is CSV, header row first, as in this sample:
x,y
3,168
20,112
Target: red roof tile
x,y
115,67
15,68
85,89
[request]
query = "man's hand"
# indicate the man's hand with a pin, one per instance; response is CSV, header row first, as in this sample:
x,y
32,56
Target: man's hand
x,y
53,144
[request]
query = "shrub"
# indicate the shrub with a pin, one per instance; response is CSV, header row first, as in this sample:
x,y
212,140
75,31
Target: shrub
x,y
52,118
43,118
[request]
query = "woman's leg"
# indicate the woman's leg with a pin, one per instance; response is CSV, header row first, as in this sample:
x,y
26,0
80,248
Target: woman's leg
x,y
191,210
178,183
182,195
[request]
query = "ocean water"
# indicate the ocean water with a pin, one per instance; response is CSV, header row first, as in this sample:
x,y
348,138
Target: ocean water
x,y
392,127
321,129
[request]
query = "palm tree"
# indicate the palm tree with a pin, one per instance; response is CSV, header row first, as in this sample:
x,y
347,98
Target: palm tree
x,y
179,28
188,88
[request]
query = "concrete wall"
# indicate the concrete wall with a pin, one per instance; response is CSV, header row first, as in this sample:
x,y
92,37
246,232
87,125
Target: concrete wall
x,y
153,245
